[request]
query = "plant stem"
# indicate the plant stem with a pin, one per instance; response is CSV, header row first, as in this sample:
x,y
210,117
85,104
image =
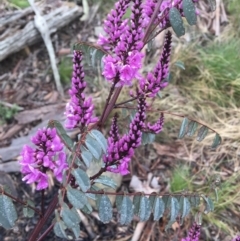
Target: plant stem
x,y
43,220
21,202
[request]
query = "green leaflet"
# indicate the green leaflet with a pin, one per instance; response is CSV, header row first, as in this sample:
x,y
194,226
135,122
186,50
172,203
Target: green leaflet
x,y
203,131
145,209
107,181
82,179
28,212
185,206
189,12
174,209
192,127
86,156
105,209
100,139
59,229
94,147
77,198
158,209
126,211
62,134
183,128
8,214
176,22
217,141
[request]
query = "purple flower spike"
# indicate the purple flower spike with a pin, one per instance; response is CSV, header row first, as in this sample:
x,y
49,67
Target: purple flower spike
x,y
119,152
48,155
114,26
114,134
193,234
155,81
79,110
237,238
158,126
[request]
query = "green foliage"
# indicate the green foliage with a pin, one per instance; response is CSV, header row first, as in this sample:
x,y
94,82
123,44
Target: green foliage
x,y
65,70
7,113
19,3
180,179
8,214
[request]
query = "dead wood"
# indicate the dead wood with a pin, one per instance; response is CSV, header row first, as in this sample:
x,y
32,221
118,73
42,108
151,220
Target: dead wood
x,y
16,39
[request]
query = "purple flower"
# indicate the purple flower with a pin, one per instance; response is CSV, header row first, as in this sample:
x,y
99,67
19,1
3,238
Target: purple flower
x,y
193,234
120,150
114,25
79,110
157,127
154,82
237,238
48,155
125,42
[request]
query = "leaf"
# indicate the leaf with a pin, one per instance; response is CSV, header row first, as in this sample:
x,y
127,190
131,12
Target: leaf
x,y
185,206
159,208
217,141
8,214
59,229
209,204
91,195
180,64
100,138
136,203
183,128
174,209
62,133
87,208
212,4
76,231
28,212
145,209
107,181
105,209
194,201
82,179
70,217
94,147
119,199
176,22
216,194
147,138
126,211
189,12
192,127
77,198
92,53
152,198
86,156
202,133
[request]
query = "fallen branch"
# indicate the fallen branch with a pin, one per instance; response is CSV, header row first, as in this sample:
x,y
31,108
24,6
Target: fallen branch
x,y
30,35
